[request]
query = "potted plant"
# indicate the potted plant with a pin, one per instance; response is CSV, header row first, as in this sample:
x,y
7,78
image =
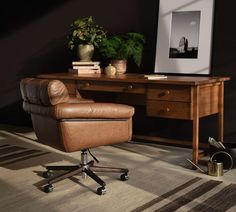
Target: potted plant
x,y
85,35
119,48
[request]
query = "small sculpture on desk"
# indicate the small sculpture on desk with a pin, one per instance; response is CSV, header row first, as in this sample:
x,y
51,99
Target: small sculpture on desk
x,y
110,70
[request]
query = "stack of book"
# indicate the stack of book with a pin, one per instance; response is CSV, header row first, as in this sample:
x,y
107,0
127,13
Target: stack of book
x,y
92,67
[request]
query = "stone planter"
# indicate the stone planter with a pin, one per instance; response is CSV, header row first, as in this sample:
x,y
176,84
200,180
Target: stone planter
x,y
120,65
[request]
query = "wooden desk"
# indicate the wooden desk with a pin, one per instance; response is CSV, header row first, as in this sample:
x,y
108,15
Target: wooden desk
x,y
177,97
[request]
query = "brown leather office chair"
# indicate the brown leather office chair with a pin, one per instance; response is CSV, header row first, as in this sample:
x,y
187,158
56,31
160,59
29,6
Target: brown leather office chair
x,y
71,124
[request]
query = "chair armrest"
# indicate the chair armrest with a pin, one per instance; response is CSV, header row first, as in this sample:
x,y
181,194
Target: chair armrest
x,y
79,100
92,111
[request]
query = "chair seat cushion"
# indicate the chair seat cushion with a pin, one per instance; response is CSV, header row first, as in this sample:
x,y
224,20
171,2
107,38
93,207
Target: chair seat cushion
x,y
92,110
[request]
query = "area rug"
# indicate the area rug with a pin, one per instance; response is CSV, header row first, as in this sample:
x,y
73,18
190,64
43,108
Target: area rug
x,y
158,181
200,196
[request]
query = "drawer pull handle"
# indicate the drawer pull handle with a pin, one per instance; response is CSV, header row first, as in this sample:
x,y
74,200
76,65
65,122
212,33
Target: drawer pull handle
x,y
87,84
129,87
164,93
165,110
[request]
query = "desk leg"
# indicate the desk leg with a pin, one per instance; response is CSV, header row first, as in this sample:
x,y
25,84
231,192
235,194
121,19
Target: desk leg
x,y
221,112
195,107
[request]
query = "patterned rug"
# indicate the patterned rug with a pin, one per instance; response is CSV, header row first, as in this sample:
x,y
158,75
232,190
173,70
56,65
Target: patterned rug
x,y
157,182
199,195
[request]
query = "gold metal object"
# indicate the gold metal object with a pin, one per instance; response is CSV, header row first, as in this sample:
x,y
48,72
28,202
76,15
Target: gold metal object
x,y
215,168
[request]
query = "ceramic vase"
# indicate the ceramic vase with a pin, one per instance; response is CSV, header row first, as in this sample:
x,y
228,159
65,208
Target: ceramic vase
x,y
110,70
85,52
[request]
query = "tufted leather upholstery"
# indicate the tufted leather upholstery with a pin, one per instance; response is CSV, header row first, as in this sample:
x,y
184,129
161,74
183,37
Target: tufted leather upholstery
x,y
69,123
44,92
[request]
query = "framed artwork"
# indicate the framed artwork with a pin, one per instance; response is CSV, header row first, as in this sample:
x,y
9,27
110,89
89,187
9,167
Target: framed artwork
x,y
184,37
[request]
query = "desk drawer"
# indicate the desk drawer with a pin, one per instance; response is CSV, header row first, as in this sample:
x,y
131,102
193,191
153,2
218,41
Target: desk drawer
x,y
168,109
170,92
112,87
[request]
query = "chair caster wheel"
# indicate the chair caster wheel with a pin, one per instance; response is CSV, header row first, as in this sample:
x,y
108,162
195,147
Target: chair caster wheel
x,y
101,190
47,174
48,188
124,177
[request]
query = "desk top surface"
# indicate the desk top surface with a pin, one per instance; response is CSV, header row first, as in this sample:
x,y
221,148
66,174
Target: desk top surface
x,y
137,78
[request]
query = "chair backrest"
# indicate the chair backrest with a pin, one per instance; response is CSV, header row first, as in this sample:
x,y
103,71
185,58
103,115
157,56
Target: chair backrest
x,y
43,91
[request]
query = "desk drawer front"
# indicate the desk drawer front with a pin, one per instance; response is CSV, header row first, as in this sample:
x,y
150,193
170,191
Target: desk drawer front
x,y
168,109
111,87
170,92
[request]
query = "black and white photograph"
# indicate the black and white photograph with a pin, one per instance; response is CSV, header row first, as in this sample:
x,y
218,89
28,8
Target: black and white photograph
x,y
184,38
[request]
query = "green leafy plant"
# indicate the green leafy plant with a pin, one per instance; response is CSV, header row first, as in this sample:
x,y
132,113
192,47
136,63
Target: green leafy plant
x,y
85,31
123,47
